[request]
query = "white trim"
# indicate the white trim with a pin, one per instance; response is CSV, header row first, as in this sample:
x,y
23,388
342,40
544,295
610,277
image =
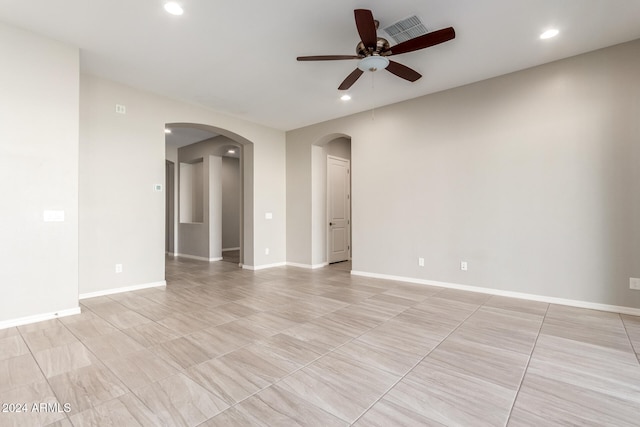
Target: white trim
x,y
511,294
308,266
38,318
264,266
199,258
230,249
123,289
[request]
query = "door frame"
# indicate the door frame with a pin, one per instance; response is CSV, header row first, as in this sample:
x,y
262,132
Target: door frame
x,y
328,207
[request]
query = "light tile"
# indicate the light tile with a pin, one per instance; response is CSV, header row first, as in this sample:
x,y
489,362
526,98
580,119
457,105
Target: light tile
x,y
386,414
516,304
290,346
113,345
386,358
504,329
179,401
463,296
183,323
339,385
545,401
402,336
38,406
19,371
44,339
601,369
58,360
12,346
125,319
9,332
140,368
86,387
495,365
150,334
239,374
223,339
275,407
452,398
31,327
124,411
92,326
180,353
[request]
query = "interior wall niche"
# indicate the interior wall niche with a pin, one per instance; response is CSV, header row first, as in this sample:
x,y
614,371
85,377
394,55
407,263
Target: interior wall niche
x,y
192,192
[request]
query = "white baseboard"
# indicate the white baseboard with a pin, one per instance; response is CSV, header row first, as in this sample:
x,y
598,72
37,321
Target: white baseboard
x,y
264,266
532,297
38,318
123,289
199,258
230,249
308,266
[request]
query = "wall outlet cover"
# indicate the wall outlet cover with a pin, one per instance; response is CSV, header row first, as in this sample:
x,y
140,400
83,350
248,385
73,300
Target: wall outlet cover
x,y
634,283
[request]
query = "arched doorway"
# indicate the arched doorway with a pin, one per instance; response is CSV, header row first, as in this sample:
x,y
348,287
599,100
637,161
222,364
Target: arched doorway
x,y
197,152
326,152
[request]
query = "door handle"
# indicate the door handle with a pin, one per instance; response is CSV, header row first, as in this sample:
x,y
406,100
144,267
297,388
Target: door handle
x,y
330,224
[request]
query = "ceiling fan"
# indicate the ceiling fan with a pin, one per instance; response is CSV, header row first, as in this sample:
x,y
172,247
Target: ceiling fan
x,y
372,51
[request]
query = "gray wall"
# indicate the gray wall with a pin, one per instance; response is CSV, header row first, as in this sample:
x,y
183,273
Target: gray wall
x,y
231,192
339,147
39,87
206,240
123,156
532,178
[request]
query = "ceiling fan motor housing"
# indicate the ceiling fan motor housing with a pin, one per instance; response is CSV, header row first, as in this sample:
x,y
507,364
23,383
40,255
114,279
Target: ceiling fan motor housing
x,y
382,48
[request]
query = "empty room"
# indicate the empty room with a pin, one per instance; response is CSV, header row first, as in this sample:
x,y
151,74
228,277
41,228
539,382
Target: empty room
x,y
315,214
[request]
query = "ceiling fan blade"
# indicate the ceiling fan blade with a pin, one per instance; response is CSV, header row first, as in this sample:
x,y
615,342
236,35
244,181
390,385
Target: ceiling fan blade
x,y
366,27
351,79
403,71
421,42
326,57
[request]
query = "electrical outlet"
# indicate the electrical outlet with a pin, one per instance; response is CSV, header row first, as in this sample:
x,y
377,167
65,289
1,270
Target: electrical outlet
x,y
121,109
266,251
421,262
118,268
463,265
634,283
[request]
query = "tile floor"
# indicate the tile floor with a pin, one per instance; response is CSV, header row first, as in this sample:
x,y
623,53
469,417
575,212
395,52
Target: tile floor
x,y
221,346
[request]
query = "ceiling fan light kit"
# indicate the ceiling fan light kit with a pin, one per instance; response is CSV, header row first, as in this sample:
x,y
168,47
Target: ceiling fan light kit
x,y
373,63
372,51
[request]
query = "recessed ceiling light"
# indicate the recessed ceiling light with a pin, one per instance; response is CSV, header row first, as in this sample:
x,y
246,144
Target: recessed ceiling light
x,y
167,130
173,8
345,97
549,34
231,151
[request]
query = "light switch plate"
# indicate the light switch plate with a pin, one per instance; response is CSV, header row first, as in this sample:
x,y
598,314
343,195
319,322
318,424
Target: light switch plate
x,y
268,215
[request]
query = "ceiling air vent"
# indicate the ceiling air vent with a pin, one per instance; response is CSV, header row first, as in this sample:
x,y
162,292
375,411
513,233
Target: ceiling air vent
x,y
406,29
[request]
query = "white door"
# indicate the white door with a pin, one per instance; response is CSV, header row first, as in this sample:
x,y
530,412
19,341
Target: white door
x,y
338,206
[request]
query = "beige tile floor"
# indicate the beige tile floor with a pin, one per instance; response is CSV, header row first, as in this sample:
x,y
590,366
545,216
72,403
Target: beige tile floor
x,y
221,346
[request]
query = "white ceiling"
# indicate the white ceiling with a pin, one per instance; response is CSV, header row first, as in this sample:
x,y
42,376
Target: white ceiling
x,y
239,57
